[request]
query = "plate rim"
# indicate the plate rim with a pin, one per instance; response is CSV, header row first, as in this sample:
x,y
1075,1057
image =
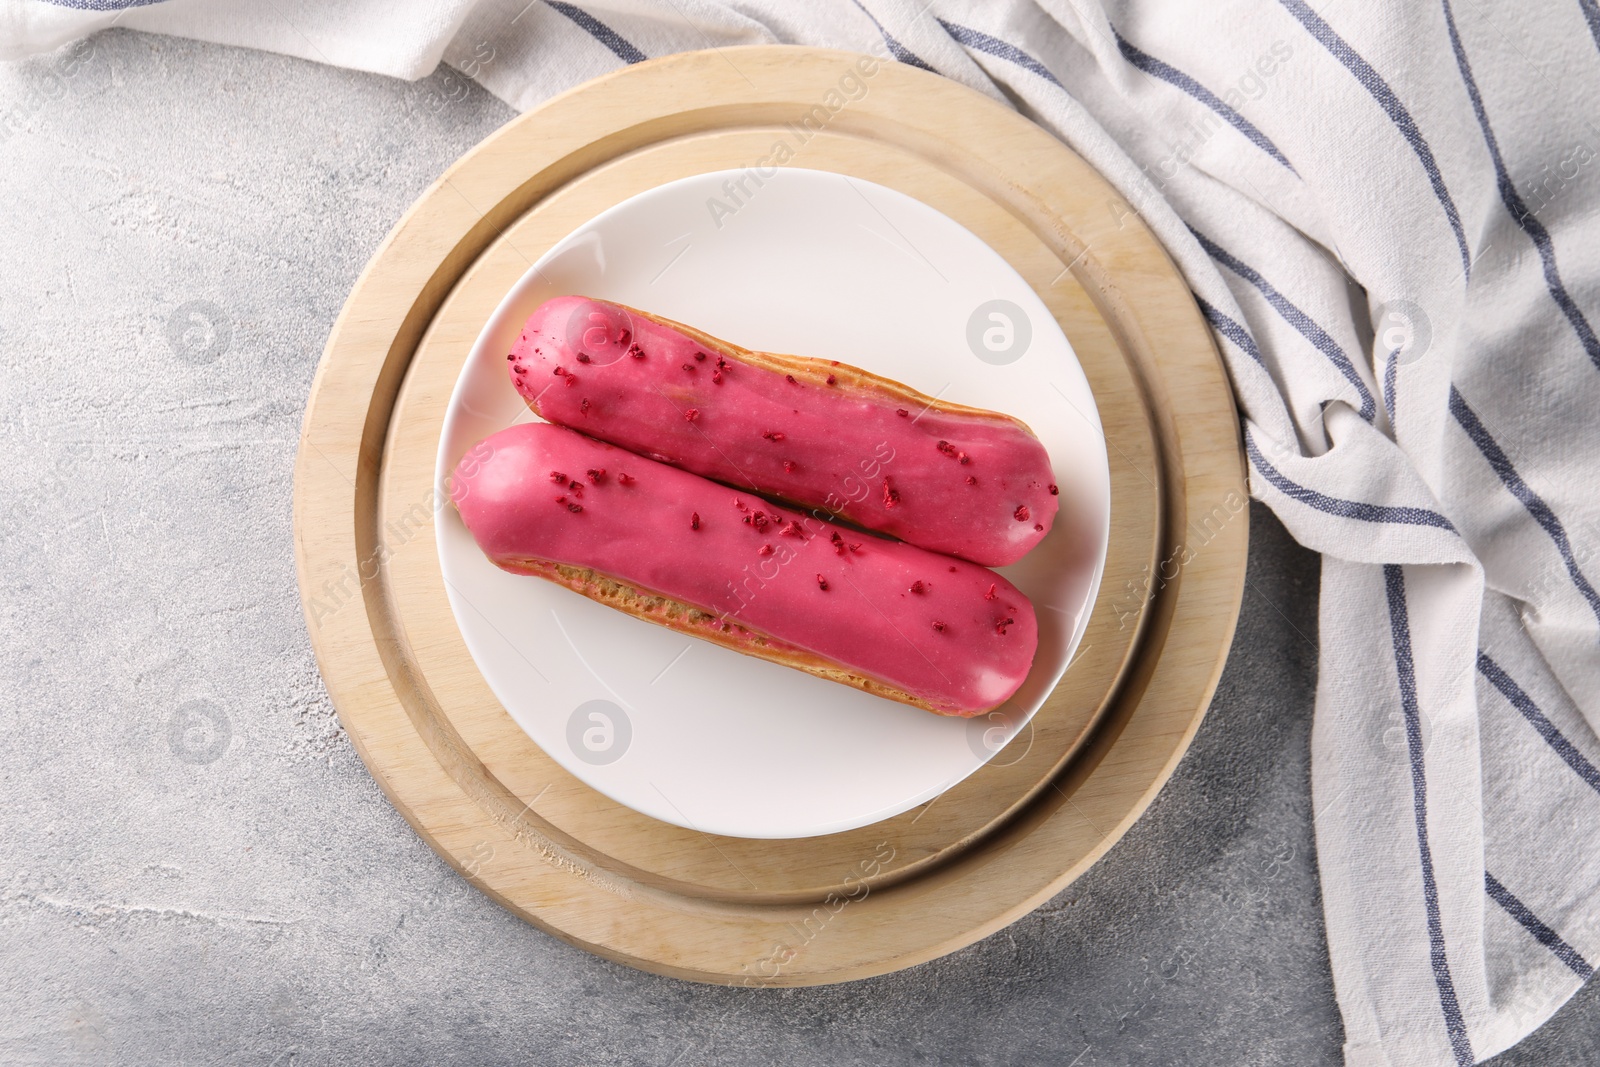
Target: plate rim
x,y
644,848
499,319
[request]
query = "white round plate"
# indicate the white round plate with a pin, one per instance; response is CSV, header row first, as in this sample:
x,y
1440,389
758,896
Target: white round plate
x,y
818,264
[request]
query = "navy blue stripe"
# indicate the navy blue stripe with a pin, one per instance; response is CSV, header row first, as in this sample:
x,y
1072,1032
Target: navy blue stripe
x,y
1591,14
1173,76
1296,318
1518,208
620,46
1388,383
1391,105
1230,329
1345,509
1531,923
1552,736
1532,501
970,38
1400,633
896,49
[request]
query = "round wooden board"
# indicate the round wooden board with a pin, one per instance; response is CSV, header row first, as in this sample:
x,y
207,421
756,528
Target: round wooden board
x,y
731,910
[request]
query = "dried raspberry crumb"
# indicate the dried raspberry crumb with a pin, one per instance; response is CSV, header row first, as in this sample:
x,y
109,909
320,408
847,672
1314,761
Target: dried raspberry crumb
x,y
855,546
939,626
559,371
635,351
838,544
759,520
792,529
694,521
583,357
576,487
558,477
773,435
597,475
623,336
918,587
1038,526
1021,514
512,355
947,448
561,500
788,466
1055,490
990,594
571,379
891,495
699,357
963,458
766,550
971,480
952,570
690,414
583,407
822,583
790,379
832,380
1000,627
721,363
520,369
625,478
574,508
902,412
716,377
688,367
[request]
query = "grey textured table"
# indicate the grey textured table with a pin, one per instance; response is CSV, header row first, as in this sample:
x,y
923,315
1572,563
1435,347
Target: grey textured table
x,y
194,865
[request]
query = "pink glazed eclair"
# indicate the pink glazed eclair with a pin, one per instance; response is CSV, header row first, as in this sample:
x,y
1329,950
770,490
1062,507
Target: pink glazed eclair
x,y
679,550
958,480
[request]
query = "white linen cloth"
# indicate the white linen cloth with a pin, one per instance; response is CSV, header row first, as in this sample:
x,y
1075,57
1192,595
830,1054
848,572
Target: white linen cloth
x,y
1392,220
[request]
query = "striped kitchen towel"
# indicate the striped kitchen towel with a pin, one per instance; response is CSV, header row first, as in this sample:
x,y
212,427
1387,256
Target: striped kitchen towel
x,y
1390,215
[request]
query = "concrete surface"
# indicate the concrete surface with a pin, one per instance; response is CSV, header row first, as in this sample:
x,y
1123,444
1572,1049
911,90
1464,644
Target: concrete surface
x,y
194,865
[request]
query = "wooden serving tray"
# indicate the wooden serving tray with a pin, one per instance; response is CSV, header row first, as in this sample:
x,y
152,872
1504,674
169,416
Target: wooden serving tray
x,y
731,910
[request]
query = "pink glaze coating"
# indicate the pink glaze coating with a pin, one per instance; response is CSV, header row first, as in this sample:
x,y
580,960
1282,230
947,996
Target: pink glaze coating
x,y
945,630
978,486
